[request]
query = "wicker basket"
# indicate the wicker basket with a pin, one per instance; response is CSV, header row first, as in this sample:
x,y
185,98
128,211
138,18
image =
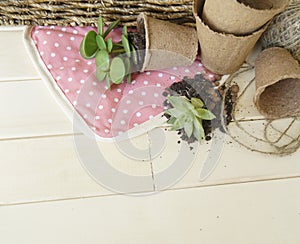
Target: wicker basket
x,y
83,12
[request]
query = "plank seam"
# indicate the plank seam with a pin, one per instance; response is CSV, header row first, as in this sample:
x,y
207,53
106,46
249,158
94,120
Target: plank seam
x,y
172,189
40,137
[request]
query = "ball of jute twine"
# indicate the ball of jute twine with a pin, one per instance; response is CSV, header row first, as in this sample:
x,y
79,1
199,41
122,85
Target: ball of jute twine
x,y
284,30
271,138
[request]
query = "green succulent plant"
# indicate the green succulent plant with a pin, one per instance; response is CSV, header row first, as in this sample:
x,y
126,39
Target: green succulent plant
x,y
113,60
188,115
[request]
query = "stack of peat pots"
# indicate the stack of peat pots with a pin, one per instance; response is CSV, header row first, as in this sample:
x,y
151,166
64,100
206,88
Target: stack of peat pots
x,y
228,30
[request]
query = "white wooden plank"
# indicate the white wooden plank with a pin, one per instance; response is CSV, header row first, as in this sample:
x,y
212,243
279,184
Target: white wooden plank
x,y
15,63
236,163
28,109
23,180
265,212
51,168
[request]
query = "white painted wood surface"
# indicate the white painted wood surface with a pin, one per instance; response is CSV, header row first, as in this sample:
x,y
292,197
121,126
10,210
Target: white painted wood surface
x,y
15,63
28,110
262,212
249,197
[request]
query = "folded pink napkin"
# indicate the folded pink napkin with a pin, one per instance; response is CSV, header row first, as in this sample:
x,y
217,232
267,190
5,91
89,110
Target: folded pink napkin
x,y
107,112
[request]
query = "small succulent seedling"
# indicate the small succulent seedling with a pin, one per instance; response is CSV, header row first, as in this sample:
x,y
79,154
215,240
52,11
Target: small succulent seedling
x,y
188,115
113,60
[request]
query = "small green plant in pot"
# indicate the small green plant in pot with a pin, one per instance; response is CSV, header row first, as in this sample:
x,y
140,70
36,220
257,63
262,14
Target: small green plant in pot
x,y
188,115
113,60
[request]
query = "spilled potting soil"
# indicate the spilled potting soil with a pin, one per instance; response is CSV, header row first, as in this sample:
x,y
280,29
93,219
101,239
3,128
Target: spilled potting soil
x,y
212,95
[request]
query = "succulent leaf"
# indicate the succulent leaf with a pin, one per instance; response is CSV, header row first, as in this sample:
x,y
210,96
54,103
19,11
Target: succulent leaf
x,y
176,101
197,103
179,103
134,55
126,45
101,42
188,128
127,64
127,69
124,31
171,120
108,81
205,114
88,46
100,26
187,104
129,78
178,124
117,70
100,74
110,27
102,60
174,112
109,45
198,130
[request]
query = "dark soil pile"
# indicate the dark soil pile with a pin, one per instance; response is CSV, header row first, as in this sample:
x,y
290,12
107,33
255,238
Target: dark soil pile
x,y
211,95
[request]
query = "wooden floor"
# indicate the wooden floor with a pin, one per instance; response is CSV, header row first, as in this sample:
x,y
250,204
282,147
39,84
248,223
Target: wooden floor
x,y
46,195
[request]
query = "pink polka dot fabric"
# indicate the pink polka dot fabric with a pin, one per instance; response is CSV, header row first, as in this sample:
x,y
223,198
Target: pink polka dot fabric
x,y
108,112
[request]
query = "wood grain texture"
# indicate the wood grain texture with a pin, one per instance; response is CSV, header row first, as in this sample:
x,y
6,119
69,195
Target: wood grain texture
x,y
50,168
15,63
28,110
266,212
236,163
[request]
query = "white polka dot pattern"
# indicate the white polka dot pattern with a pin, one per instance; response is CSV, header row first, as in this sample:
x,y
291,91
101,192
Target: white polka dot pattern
x,y
106,111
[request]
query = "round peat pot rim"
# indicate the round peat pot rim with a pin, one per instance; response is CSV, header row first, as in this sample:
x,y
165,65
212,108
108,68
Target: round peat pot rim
x,y
234,17
276,5
142,24
274,104
279,6
237,37
167,44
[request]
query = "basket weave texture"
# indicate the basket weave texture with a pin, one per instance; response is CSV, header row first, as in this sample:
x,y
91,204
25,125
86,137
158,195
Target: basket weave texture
x,y
82,13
